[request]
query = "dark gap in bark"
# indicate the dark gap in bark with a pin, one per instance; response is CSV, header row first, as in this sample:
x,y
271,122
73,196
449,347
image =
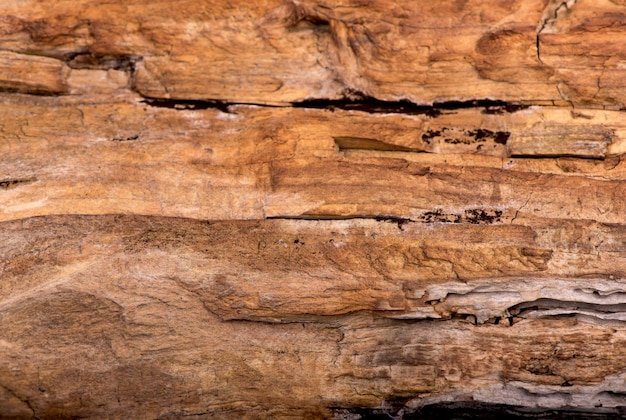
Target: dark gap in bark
x,y
470,410
474,216
362,104
12,183
376,106
556,156
546,304
362,143
85,60
189,104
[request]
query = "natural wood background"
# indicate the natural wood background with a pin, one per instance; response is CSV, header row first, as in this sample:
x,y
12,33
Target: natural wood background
x,y
288,209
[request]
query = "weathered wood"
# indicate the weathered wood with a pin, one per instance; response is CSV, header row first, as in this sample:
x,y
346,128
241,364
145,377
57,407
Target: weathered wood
x,y
73,158
275,51
312,209
392,268
31,73
148,310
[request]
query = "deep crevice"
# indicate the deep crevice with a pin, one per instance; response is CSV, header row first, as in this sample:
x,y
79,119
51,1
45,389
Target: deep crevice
x,y
476,216
556,156
190,104
364,104
85,60
550,19
376,106
553,308
480,410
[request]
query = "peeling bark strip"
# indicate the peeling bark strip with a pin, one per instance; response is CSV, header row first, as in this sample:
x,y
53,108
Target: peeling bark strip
x,y
306,209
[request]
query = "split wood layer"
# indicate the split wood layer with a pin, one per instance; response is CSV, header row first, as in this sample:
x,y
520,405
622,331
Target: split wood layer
x,y
309,208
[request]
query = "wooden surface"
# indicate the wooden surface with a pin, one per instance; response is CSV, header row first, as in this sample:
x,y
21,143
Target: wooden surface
x,y
312,209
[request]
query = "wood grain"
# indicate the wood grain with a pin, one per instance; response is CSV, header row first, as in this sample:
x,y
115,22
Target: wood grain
x,y
312,209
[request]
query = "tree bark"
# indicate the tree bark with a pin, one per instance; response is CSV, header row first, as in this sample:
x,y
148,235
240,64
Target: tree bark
x,y
312,209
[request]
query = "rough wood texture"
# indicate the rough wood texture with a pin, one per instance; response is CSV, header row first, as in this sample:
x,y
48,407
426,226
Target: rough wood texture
x,y
312,209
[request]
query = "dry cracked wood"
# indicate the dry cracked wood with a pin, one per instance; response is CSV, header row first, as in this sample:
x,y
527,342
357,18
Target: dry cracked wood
x,y
282,51
296,209
141,297
250,163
